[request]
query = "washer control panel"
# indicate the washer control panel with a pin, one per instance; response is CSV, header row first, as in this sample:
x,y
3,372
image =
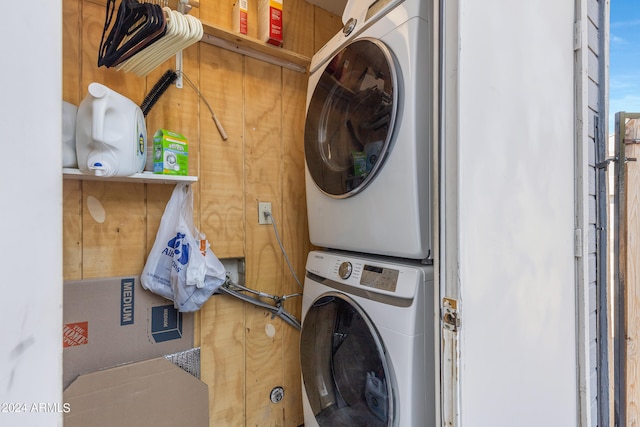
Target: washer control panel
x,y
369,275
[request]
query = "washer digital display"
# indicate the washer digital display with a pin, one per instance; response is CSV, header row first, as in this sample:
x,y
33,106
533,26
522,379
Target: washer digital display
x,y
385,279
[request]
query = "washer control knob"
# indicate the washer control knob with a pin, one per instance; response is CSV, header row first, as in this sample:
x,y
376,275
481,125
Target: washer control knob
x,y
349,26
345,270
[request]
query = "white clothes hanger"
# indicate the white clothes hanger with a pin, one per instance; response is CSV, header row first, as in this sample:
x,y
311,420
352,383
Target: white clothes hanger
x,y
182,31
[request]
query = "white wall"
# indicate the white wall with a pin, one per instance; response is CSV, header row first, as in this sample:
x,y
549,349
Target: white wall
x,y
31,206
516,214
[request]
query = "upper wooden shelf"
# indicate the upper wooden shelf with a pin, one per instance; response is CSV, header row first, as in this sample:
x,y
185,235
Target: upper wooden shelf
x,y
254,48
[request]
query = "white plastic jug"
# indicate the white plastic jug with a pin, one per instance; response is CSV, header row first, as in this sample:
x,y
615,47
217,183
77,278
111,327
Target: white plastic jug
x,y
69,114
111,134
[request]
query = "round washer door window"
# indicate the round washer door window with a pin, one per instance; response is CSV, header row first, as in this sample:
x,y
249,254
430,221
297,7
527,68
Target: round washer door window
x,y
344,366
350,118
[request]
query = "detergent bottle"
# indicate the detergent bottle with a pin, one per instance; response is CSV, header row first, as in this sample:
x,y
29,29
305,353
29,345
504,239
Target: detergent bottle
x,y
111,134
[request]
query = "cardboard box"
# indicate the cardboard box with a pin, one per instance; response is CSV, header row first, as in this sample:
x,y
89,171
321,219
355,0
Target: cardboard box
x,y
270,21
170,153
108,322
150,393
240,16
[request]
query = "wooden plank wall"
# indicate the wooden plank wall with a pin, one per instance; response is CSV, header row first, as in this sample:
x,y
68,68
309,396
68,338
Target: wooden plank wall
x,y
630,252
244,352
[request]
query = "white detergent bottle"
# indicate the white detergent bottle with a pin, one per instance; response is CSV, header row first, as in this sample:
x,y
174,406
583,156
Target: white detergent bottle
x,y
111,134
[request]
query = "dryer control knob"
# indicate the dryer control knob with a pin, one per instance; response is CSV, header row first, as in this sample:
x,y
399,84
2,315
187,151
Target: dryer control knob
x,y
349,26
345,270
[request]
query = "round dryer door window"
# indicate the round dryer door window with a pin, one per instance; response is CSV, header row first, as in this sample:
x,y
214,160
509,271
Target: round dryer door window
x,y
345,371
350,118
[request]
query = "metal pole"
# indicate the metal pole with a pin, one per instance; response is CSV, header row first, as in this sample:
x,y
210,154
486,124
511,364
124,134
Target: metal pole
x,y
602,322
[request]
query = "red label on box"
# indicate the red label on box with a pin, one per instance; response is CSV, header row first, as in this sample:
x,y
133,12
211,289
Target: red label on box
x,y
75,334
275,25
243,21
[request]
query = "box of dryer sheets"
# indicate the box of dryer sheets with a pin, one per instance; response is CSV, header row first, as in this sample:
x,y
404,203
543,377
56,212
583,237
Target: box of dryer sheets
x,y
240,17
150,393
270,21
170,153
108,322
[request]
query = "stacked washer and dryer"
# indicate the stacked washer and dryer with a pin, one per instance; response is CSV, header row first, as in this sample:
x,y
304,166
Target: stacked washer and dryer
x,y
368,345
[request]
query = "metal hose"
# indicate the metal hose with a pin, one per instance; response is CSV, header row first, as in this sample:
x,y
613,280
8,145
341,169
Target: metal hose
x,y
277,311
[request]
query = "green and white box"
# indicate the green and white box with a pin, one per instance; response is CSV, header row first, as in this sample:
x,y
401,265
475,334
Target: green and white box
x,y
170,153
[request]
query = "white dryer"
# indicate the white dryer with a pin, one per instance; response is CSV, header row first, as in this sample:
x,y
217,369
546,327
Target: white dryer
x,y
368,142
368,351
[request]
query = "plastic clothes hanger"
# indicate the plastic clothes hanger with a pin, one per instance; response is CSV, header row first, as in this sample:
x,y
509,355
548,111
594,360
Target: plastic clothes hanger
x,y
136,26
178,30
132,25
158,19
186,30
172,31
182,31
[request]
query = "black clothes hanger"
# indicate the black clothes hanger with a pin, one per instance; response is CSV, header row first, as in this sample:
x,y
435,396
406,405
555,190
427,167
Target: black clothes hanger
x,y
137,25
153,28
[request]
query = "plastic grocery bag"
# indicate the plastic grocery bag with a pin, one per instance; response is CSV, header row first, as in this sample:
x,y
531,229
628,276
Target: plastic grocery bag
x,y
181,265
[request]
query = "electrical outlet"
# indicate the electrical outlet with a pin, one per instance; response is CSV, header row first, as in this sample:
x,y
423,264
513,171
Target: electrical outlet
x,y
264,213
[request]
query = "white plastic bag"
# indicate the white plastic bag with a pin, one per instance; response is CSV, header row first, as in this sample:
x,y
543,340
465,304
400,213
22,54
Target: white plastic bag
x,y
181,265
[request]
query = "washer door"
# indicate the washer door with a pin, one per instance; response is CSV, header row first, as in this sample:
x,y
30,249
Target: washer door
x,y
345,369
350,118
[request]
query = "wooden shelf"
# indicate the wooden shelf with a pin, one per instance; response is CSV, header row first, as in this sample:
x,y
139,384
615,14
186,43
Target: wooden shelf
x,y
144,177
254,48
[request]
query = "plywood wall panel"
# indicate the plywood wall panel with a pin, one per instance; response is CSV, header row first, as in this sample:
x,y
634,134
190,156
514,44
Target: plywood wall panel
x,y
264,337
113,244
222,359
298,34
262,175
71,48
217,12
294,232
222,219
72,230
252,22
326,26
294,220
263,119
222,162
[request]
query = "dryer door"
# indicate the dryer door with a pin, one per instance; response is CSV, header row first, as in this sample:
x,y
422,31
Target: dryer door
x,y
350,118
345,370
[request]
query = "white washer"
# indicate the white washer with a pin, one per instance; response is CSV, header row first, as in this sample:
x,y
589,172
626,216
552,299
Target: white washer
x,y
368,143
368,351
